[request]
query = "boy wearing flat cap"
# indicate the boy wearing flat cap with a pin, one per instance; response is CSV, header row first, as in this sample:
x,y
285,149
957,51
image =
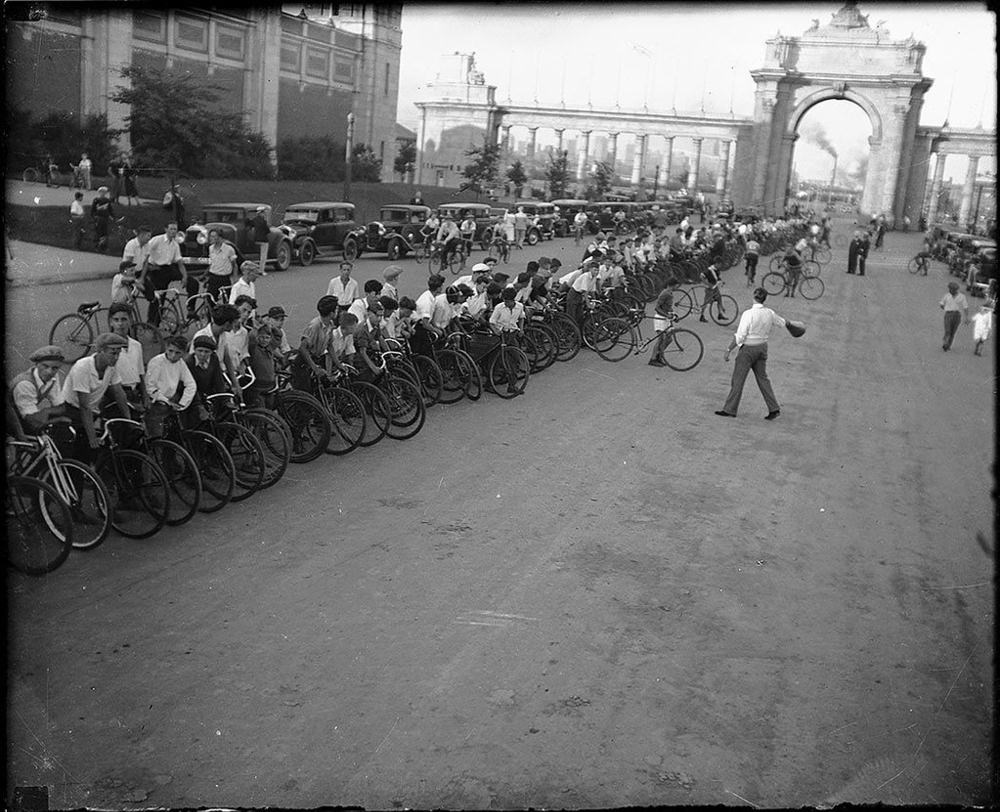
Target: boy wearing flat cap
x,y
91,381
37,392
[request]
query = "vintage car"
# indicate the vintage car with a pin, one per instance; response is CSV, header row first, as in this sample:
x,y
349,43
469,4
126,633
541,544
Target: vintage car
x,y
396,231
483,214
233,220
566,210
724,210
545,213
319,225
602,213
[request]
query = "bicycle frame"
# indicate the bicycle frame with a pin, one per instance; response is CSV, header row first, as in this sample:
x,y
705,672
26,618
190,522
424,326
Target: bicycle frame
x,y
31,454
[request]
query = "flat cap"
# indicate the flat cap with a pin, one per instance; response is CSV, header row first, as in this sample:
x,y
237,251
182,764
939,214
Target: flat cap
x,y
50,352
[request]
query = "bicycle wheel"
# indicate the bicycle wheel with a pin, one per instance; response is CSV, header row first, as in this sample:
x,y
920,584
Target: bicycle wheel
x,y
429,376
170,321
88,500
724,310
914,266
685,350
377,412
150,337
550,342
822,255
811,268
273,434
773,283
308,423
406,404
542,352
74,334
568,336
138,490
215,467
775,262
183,478
347,419
247,455
614,339
682,304
811,287
474,381
39,526
508,372
454,376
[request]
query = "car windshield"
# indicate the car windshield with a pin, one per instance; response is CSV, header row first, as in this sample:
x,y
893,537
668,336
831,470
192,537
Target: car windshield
x,y
224,216
312,215
394,216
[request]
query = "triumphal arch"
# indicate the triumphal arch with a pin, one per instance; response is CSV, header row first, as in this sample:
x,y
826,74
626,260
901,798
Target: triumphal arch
x,y
845,59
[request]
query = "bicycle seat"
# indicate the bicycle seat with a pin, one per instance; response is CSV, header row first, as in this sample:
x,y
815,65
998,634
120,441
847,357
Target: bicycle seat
x,y
86,306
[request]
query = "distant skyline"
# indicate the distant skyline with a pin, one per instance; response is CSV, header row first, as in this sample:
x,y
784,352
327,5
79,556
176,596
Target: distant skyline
x,y
665,55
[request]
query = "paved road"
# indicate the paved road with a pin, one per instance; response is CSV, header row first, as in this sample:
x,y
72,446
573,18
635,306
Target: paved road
x,y
598,594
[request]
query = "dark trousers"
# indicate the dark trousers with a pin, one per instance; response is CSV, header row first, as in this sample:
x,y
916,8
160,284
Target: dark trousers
x,y
862,256
952,318
216,282
750,359
574,306
751,265
157,278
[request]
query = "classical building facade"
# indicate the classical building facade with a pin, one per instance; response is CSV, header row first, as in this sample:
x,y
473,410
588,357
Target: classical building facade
x,y
291,70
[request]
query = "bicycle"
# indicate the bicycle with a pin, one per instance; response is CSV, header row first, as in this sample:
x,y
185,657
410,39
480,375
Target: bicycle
x,y
506,365
248,456
175,320
434,256
406,404
723,308
346,413
777,282
809,267
39,526
919,263
499,242
75,332
215,466
307,421
616,338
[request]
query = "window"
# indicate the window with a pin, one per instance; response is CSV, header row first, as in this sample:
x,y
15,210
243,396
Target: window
x,y
321,33
386,78
191,33
317,62
149,26
229,42
291,25
343,71
381,150
291,57
341,215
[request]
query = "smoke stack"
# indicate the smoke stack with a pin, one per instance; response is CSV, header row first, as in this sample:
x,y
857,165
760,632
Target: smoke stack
x,y
833,175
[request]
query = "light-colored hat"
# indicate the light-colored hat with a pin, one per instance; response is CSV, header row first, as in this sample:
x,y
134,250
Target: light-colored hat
x,y
392,272
249,265
480,267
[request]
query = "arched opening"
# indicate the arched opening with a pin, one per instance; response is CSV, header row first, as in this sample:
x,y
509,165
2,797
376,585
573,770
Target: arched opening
x,y
830,157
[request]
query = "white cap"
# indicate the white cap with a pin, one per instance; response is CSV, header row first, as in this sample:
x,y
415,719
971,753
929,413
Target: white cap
x,y
480,266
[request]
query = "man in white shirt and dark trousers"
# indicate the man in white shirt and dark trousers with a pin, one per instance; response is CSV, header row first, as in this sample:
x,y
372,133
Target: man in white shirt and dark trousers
x,y
751,337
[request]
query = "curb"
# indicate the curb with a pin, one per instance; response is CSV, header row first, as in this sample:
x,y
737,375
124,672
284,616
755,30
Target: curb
x,y
89,276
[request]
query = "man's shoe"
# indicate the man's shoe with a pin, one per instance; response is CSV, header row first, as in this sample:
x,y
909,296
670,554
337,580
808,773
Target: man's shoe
x,y
772,415
721,413
656,362
702,319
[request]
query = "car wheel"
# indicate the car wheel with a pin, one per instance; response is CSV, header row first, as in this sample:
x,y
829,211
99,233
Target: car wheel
x,y
532,237
395,250
350,249
283,256
307,252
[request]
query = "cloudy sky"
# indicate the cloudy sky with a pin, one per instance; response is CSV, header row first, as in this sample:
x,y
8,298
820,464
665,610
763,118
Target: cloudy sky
x,y
672,54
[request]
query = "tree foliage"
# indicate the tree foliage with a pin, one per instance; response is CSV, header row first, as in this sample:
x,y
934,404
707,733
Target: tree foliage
x,y
482,173
517,177
311,158
601,179
405,158
62,135
557,174
175,121
365,164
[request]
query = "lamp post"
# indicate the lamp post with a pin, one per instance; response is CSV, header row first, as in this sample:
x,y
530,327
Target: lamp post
x,y
348,149
656,181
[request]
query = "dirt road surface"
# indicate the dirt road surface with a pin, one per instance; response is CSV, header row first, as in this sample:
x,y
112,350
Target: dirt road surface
x,y
598,594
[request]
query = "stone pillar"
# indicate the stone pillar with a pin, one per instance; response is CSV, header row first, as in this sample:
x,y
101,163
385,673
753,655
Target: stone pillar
x,y
665,164
692,181
505,138
640,156
261,90
965,210
932,204
783,175
559,138
532,137
722,180
765,104
893,137
612,150
106,45
581,156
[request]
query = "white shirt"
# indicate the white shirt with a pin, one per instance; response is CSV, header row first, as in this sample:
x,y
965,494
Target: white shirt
x,y
341,344
345,293
134,252
507,318
83,388
26,396
585,283
425,306
443,311
755,325
163,378
122,292
130,365
580,218
388,289
359,307
242,288
476,304
571,277
76,209
220,259
163,251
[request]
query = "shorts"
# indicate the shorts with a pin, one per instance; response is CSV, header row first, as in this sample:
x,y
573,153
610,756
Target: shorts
x,y
660,323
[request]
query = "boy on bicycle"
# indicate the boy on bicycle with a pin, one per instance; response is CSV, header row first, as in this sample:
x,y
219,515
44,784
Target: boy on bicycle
x,y
37,392
752,255
206,370
793,271
664,316
169,384
314,346
712,280
131,367
467,229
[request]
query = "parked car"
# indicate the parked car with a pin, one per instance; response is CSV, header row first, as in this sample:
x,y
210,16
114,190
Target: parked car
x,y
396,231
545,214
233,222
565,210
724,210
602,212
483,214
327,225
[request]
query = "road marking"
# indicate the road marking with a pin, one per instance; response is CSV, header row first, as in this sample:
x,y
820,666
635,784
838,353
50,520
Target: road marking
x,y
486,617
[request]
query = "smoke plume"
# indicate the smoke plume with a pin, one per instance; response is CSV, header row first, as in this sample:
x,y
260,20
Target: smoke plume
x,y
815,134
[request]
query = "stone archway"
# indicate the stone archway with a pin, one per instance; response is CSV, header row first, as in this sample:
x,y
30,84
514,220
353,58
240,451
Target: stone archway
x,y
846,59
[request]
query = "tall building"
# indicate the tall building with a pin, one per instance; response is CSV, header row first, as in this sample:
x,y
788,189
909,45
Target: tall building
x,y
328,60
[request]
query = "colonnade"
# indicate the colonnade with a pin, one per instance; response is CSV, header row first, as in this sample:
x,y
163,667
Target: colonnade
x,y
968,188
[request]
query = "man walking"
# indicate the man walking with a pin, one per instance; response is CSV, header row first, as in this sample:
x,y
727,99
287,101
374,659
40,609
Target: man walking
x,y
751,337
953,304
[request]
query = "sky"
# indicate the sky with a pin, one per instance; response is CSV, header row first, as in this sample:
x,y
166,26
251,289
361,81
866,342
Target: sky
x,y
674,54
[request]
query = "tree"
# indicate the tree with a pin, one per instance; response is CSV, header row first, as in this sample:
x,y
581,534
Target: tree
x,y
557,174
517,177
175,122
366,166
406,158
482,173
311,158
601,178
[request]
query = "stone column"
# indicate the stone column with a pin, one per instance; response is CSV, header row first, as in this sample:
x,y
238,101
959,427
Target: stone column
x,y
765,104
965,210
559,138
692,183
581,156
612,150
261,89
893,137
665,164
932,204
105,46
640,156
532,137
722,180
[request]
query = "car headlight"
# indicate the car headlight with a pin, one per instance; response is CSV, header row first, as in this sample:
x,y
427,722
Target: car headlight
x,y
202,238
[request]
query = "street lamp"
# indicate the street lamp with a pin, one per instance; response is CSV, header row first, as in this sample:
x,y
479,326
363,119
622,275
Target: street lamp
x,y
348,149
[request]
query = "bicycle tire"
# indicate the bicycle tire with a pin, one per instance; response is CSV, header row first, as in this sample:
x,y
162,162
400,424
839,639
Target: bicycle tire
x,y
39,533
683,304
811,268
170,321
273,434
138,490
454,376
822,255
774,283
775,262
724,310
183,477
247,455
74,334
474,383
216,468
685,350
811,287
308,422
545,343
913,266
377,412
568,335
406,404
509,371
347,421
88,501
429,376
615,339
